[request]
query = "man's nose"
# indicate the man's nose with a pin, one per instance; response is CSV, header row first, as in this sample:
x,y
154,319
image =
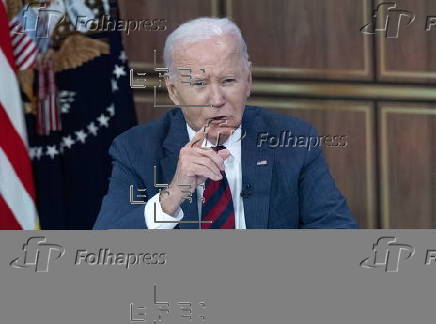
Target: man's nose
x,y
217,98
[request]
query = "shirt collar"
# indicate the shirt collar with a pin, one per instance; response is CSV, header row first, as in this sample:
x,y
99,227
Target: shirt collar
x,y
233,142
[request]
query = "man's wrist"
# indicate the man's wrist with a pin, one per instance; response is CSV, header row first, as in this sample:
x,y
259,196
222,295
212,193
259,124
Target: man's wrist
x,y
170,200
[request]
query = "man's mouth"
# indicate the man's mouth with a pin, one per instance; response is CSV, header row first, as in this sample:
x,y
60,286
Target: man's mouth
x,y
218,120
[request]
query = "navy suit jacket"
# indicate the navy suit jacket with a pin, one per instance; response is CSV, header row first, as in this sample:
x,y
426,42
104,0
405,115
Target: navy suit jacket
x,y
294,189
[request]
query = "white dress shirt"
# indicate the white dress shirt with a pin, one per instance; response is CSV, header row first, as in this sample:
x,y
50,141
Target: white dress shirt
x,y
233,171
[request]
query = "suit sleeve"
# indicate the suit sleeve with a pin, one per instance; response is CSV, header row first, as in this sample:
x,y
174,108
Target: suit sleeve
x,y
321,203
116,211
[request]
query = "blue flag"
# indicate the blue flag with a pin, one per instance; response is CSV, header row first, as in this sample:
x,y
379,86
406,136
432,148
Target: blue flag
x,y
72,166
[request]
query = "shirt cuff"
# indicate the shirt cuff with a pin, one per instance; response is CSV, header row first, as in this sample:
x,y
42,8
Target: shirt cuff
x,y
161,216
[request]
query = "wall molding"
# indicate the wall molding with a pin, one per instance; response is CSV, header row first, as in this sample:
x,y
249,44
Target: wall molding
x,y
384,151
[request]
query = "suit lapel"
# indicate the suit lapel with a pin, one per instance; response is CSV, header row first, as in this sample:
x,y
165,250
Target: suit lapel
x,y
257,164
176,138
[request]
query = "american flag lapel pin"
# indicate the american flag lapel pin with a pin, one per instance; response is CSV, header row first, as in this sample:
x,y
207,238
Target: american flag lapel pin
x,y
263,162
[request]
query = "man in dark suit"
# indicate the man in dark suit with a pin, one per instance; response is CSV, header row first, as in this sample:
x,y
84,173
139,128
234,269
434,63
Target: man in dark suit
x,y
212,163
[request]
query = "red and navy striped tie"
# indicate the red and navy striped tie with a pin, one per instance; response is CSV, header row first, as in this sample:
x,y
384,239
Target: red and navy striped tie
x,y
217,208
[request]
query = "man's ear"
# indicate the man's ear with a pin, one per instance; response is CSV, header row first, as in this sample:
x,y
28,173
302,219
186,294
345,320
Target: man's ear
x,y
172,91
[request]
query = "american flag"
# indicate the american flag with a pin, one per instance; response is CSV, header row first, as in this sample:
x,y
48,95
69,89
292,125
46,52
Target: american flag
x,y
24,48
17,192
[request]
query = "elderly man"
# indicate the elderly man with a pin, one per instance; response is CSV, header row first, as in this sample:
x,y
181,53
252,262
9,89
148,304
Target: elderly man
x,y
205,163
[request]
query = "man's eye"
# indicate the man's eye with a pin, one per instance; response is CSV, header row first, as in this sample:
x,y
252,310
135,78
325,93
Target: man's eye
x,y
198,83
229,80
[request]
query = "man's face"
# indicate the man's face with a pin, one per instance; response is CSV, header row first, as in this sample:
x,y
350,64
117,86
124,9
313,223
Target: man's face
x,y
220,80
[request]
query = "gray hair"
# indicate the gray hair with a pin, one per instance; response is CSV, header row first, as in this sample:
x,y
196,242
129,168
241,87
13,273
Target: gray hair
x,y
202,29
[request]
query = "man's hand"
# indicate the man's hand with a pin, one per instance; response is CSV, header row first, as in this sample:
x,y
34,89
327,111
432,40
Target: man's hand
x,y
195,165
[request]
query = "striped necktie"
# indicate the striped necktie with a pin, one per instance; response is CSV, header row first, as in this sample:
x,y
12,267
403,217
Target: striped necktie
x,y
217,206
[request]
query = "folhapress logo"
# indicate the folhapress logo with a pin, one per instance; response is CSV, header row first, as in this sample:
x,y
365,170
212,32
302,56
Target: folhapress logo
x,y
388,254
390,22
38,254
